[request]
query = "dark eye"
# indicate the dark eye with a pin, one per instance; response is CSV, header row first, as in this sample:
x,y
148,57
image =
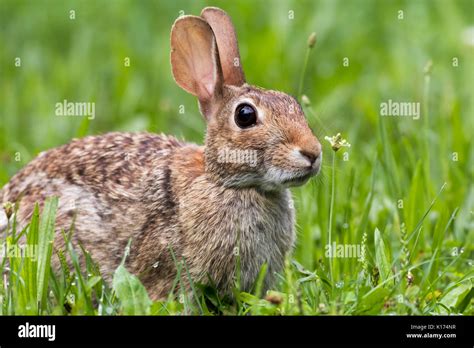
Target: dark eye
x,y
245,116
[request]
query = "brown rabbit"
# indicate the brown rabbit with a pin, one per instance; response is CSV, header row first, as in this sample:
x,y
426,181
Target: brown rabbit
x,y
205,203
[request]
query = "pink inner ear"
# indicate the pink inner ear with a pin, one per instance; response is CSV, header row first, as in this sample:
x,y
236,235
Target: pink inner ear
x,y
202,64
206,85
209,85
194,58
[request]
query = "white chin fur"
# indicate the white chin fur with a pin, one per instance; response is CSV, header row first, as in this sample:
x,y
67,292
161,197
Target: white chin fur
x,y
275,178
272,180
276,175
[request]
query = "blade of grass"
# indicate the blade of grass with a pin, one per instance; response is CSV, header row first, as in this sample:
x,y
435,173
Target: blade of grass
x,y
45,247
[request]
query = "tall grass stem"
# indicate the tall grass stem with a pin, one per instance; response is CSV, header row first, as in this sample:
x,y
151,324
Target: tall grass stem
x,y
303,72
331,210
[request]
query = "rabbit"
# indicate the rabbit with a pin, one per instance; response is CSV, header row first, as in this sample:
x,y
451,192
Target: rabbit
x,y
211,206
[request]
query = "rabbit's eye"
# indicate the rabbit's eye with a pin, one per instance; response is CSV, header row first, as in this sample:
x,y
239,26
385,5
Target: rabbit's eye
x,y
245,116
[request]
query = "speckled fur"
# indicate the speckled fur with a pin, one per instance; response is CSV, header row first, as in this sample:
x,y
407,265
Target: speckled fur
x,y
162,198
167,195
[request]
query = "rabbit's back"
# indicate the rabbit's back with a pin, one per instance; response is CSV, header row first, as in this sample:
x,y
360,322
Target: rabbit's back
x,y
101,184
110,165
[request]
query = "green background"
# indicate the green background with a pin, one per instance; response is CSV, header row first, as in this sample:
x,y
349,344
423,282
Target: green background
x,y
391,158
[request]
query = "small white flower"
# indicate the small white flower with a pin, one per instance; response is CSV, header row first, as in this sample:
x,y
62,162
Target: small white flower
x,y
337,142
468,36
305,100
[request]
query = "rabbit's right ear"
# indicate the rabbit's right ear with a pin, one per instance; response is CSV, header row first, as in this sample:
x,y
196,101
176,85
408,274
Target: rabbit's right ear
x,y
195,61
226,39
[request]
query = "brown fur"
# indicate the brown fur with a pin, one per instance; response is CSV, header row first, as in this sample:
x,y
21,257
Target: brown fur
x,y
170,195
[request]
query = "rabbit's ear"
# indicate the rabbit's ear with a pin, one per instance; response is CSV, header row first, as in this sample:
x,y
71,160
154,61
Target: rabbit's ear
x,y
227,44
195,60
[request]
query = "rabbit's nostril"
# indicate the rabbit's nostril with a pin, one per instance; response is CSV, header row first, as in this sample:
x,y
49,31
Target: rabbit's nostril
x,y
311,156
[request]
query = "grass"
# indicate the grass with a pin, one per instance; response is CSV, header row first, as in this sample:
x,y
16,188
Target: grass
x,y
404,189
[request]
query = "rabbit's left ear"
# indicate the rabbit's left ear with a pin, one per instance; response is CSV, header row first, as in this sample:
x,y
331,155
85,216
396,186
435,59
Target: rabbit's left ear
x,y
227,45
195,61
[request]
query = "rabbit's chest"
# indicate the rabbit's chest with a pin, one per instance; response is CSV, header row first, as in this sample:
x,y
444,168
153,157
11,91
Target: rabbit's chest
x,y
266,236
246,228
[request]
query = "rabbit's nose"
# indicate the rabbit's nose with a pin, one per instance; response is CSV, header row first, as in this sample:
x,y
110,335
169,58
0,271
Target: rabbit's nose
x,y
311,156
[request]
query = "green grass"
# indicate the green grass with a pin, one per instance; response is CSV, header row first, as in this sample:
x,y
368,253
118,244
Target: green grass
x,y
404,189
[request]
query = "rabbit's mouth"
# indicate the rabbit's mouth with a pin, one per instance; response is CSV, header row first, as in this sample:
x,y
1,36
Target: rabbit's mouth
x,y
298,180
